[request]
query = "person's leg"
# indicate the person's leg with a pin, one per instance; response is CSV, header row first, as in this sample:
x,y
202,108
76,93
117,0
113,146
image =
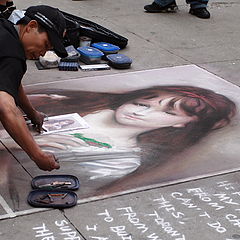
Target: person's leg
x,y
199,8
161,6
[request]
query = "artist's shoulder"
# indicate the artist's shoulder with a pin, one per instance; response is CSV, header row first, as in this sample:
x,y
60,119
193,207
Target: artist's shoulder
x,y
7,27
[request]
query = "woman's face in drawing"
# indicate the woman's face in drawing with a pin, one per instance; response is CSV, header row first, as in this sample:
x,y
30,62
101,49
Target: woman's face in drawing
x,y
153,113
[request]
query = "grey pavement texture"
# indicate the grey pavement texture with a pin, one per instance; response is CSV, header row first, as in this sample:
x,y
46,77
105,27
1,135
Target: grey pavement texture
x,y
202,209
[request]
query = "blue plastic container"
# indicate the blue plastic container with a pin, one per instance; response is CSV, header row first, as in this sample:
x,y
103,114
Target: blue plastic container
x,y
90,55
106,48
119,61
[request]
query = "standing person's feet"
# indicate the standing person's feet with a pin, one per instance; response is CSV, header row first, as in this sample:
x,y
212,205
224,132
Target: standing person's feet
x,y
200,12
156,8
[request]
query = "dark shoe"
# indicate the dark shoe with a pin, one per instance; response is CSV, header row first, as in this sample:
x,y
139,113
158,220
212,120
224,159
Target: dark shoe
x,y
156,8
200,12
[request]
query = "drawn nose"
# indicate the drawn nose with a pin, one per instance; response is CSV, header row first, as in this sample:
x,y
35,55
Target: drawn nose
x,y
141,112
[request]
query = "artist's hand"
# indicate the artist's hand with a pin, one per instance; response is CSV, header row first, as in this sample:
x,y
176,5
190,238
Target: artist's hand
x,y
46,162
37,120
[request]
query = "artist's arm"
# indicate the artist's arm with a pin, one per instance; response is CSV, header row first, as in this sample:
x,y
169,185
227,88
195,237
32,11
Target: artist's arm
x,y
35,116
14,123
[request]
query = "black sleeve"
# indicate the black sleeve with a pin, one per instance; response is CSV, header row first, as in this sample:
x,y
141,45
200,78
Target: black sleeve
x,y
11,73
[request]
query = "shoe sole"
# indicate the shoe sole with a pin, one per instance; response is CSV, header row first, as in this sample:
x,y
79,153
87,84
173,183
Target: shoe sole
x,y
171,9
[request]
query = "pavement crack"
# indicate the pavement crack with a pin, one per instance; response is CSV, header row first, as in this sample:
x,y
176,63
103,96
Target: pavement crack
x,y
75,227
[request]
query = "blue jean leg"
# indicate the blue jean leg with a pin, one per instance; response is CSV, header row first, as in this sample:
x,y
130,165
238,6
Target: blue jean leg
x,y
197,3
163,3
193,3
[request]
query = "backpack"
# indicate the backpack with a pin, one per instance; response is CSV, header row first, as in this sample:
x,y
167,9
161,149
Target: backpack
x,y
77,27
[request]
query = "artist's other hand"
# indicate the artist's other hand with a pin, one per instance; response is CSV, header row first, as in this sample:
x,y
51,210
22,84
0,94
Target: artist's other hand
x,y
37,120
46,162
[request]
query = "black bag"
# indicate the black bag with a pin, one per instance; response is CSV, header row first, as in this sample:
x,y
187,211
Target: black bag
x,y
77,26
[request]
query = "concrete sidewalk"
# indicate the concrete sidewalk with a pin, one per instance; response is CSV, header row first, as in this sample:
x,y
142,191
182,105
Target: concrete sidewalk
x,y
204,209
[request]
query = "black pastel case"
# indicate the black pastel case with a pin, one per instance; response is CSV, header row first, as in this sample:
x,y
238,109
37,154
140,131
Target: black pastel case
x,y
52,199
55,182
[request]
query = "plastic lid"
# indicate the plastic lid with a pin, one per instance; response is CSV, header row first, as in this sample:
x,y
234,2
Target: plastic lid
x,y
119,58
90,52
105,46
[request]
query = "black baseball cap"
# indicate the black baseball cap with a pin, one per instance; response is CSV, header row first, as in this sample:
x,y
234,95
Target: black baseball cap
x,y
53,21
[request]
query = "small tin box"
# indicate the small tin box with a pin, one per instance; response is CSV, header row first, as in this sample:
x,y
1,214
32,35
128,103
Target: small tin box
x,y
120,61
106,48
90,55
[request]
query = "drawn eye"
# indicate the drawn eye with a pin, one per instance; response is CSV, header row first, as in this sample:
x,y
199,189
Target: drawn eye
x,y
171,113
141,104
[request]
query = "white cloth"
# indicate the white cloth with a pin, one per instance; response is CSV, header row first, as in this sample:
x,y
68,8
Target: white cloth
x,y
16,16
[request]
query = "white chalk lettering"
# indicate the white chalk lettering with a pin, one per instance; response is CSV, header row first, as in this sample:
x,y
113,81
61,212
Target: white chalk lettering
x,y
94,228
216,205
163,202
121,232
42,231
66,230
200,194
70,235
131,217
181,238
205,214
61,223
153,236
169,207
224,198
233,219
99,238
155,214
166,226
184,201
226,184
236,193
205,198
48,238
217,226
107,217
